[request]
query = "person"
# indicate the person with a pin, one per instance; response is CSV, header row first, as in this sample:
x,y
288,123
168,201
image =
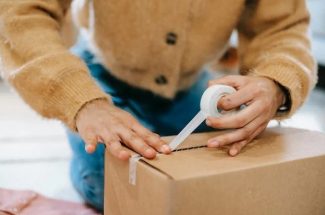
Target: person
x,y
138,71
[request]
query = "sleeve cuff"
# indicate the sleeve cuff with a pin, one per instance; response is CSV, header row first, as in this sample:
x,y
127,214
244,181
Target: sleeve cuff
x,y
72,94
57,86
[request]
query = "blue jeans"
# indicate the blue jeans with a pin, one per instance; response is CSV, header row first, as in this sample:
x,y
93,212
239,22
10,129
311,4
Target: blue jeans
x,y
165,117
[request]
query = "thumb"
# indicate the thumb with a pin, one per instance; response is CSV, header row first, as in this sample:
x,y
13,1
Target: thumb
x,y
90,148
90,144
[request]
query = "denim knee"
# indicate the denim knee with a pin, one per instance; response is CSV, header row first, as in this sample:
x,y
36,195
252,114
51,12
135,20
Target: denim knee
x,y
89,183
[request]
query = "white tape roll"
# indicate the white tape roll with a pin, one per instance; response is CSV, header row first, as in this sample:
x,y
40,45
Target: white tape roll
x,y
211,97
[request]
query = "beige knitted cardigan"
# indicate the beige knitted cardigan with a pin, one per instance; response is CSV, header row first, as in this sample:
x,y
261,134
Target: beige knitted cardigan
x,y
156,45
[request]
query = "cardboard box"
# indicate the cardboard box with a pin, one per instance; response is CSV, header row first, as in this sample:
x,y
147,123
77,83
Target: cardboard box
x,y
282,172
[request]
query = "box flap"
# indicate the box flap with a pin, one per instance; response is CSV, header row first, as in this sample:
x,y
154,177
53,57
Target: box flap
x,y
274,146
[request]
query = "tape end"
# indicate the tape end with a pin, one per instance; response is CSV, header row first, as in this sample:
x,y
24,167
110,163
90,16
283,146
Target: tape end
x,y
133,168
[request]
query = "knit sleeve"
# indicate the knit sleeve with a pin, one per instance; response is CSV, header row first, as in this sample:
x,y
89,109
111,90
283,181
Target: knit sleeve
x,y
274,43
35,61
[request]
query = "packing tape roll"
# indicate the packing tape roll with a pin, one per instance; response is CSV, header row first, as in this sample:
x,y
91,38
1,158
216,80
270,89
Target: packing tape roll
x,y
211,97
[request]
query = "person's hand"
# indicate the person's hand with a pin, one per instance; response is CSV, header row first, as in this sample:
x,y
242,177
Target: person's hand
x,y
100,121
262,97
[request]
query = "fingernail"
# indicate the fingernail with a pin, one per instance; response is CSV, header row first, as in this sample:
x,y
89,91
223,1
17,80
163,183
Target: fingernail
x,y
149,152
123,155
89,148
208,122
165,149
233,152
213,143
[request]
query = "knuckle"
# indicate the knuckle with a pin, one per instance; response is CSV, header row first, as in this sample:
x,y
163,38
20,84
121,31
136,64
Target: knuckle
x,y
130,119
264,127
262,130
89,138
101,122
138,141
240,122
127,137
112,138
157,145
116,146
147,134
134,125
131,137
241,80
147,137
153,139
234,76
262,87
214,123
264,108
256,91
118,127
88,129
105,133
223,140
243,143
245,132
160,143
225,103
142,147
249,139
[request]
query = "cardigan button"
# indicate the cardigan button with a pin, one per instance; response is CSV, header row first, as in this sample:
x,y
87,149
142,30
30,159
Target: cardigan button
x,y
171,38
161,80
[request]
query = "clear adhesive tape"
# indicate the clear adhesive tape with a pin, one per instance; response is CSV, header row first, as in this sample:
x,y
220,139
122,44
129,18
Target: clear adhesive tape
x,y
211,97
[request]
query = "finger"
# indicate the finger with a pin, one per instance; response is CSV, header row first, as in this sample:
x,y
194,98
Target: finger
x,y
237,147
259,131
90,148
117,150
108,137
239,119
228,138
100,140
236,99
90,143
237,135
134,141
236,81
152,139
112,141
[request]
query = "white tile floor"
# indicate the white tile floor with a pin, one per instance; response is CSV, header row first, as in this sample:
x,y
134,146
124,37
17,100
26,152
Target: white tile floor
x,y
34,153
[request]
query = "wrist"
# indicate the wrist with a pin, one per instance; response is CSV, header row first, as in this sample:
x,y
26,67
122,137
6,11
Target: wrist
x,y
99,102
89,106
283,98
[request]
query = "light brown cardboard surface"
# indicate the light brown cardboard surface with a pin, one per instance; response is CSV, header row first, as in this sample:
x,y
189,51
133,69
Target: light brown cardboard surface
x,y
283,172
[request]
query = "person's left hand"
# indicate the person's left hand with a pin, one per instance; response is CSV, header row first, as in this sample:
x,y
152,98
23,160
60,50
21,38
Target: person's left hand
x,y
262,97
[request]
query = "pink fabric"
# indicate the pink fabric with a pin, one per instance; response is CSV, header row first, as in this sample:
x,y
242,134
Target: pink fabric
x,y
14,202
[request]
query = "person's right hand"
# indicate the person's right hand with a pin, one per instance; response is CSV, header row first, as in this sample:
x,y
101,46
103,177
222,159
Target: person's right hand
x,y
100,121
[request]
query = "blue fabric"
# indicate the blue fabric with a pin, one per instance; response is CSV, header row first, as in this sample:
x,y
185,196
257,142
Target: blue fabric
x,y
160,115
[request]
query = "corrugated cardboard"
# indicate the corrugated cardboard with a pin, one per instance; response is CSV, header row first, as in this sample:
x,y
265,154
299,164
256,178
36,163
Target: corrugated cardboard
x,y
282,172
